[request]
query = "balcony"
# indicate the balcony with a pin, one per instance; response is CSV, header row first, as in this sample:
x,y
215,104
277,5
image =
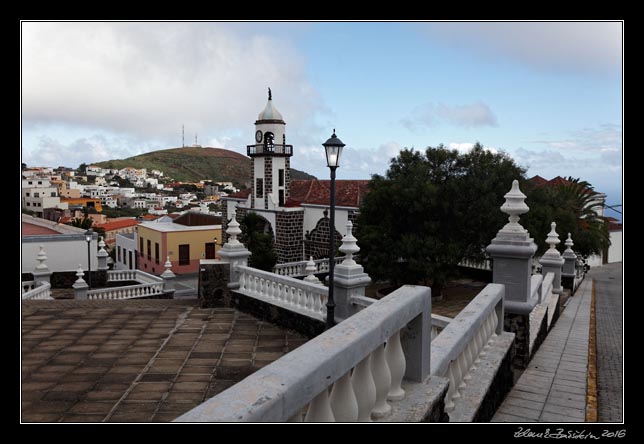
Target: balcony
x,y
265,150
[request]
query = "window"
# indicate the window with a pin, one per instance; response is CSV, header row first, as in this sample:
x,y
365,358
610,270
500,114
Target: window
x,y
141,246
28,204
118,254
53,194
281,198
259,189
40,182
27,194
280,175
210,250
129,254
36,194
156,252
184,254
149,250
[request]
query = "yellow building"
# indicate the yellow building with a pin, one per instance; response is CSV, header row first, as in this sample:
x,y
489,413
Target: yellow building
x,y
85,202
186,239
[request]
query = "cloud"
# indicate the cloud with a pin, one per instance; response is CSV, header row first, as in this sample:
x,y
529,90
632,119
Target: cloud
x,y
355,163
464,147
476,114
144,80
552,46
605,138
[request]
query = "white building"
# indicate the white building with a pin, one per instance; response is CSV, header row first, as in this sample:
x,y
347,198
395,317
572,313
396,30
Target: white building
x,y
125,251
38,194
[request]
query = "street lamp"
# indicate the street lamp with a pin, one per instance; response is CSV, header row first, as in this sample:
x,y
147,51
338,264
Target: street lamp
x,y
333,148
89,234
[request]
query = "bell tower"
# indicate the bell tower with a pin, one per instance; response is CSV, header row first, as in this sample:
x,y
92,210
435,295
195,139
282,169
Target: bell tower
x,y
271,160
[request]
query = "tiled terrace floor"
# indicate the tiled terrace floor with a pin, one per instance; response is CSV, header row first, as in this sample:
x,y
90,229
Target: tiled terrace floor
x,y
136,361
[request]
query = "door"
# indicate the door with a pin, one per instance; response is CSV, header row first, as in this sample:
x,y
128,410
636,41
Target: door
x,y
210,250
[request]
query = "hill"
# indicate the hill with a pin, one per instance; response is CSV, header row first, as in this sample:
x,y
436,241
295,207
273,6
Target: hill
x,y
192,164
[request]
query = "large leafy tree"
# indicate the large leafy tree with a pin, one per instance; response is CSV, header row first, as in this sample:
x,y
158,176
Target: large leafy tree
x,y
571,204
430,211
259,241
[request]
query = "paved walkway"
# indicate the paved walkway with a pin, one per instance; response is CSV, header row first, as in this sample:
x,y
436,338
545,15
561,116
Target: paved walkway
x,y
553,387
136,360
609,325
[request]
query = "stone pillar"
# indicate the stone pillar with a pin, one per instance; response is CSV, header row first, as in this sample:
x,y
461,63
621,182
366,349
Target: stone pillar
x,y
101,270
512,250
568,273
349,277
551,261
41,273
168,278
234,253
80,286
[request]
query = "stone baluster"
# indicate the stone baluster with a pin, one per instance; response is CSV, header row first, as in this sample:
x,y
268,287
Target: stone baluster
x,y
512,251
320,409
364,388
551,261
41,273
80,286
396,361
382,378
568,271
349,279
343,401
234,253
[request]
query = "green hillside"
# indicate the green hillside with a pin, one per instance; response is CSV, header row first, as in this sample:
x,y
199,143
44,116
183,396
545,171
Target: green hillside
x,y
192,164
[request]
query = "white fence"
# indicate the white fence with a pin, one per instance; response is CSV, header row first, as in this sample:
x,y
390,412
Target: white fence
x,y
293,269
457,350
438,324
132,275
127,292
43,291
293,294
360,362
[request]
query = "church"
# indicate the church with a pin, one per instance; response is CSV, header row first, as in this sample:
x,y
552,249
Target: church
x,y
295,212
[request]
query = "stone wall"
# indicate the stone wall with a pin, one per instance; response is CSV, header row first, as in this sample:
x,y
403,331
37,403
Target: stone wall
x,y
213,285
519,324
268,179
65,279
288,235
316,242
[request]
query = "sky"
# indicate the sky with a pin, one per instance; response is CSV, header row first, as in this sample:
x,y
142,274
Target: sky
x,y
547,93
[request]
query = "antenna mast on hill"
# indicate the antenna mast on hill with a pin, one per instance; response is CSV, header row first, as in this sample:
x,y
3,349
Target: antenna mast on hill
x,y
183,137
196,139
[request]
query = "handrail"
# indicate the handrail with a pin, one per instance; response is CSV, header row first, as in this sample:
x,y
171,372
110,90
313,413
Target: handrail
x,y
43,291
280,390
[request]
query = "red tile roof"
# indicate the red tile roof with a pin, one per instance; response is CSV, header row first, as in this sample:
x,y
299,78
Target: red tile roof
x,y
348,193
149,217
118,224
613,224
31,230
243,194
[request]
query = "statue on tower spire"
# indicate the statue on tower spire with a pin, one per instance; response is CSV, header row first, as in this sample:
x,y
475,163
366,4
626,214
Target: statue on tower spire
x,y
270,96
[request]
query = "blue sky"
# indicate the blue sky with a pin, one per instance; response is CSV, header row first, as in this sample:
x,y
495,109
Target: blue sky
x,y
549,94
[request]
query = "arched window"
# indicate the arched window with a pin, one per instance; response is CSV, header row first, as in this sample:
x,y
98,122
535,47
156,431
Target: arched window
x,y
268,141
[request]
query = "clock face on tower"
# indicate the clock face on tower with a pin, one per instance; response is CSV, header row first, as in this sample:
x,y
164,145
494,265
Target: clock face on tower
x,y
258,136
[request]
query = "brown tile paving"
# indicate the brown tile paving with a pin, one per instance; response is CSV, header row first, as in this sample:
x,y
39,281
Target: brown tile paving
x,y
136,361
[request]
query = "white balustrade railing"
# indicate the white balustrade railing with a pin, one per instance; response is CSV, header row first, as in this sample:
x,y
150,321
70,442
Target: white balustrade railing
x,y
127,292
287,292
438,324
479,265
457,350
27,286
132,275
535,287
293,269
43,291
351,372
548,297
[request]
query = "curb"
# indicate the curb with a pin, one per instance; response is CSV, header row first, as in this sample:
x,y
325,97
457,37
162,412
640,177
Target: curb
x,y
591,378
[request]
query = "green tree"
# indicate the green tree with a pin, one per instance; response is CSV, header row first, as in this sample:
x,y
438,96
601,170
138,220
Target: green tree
x,y
84,222
430,211
259,241
82,168
571,204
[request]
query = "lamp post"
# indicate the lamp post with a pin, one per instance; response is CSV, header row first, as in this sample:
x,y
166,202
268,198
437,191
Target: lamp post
x,y
333,148
89,234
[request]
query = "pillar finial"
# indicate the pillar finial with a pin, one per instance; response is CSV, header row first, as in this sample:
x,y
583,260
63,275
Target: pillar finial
x,y
80,273
553,237
514,206
569,243
233,231
41,258
310,271
349,245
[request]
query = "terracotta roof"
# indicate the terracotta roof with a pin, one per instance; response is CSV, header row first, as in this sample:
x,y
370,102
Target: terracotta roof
x,y
31,230
174,215
149,217
117,224
243,194
613,224
538,181
348,193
